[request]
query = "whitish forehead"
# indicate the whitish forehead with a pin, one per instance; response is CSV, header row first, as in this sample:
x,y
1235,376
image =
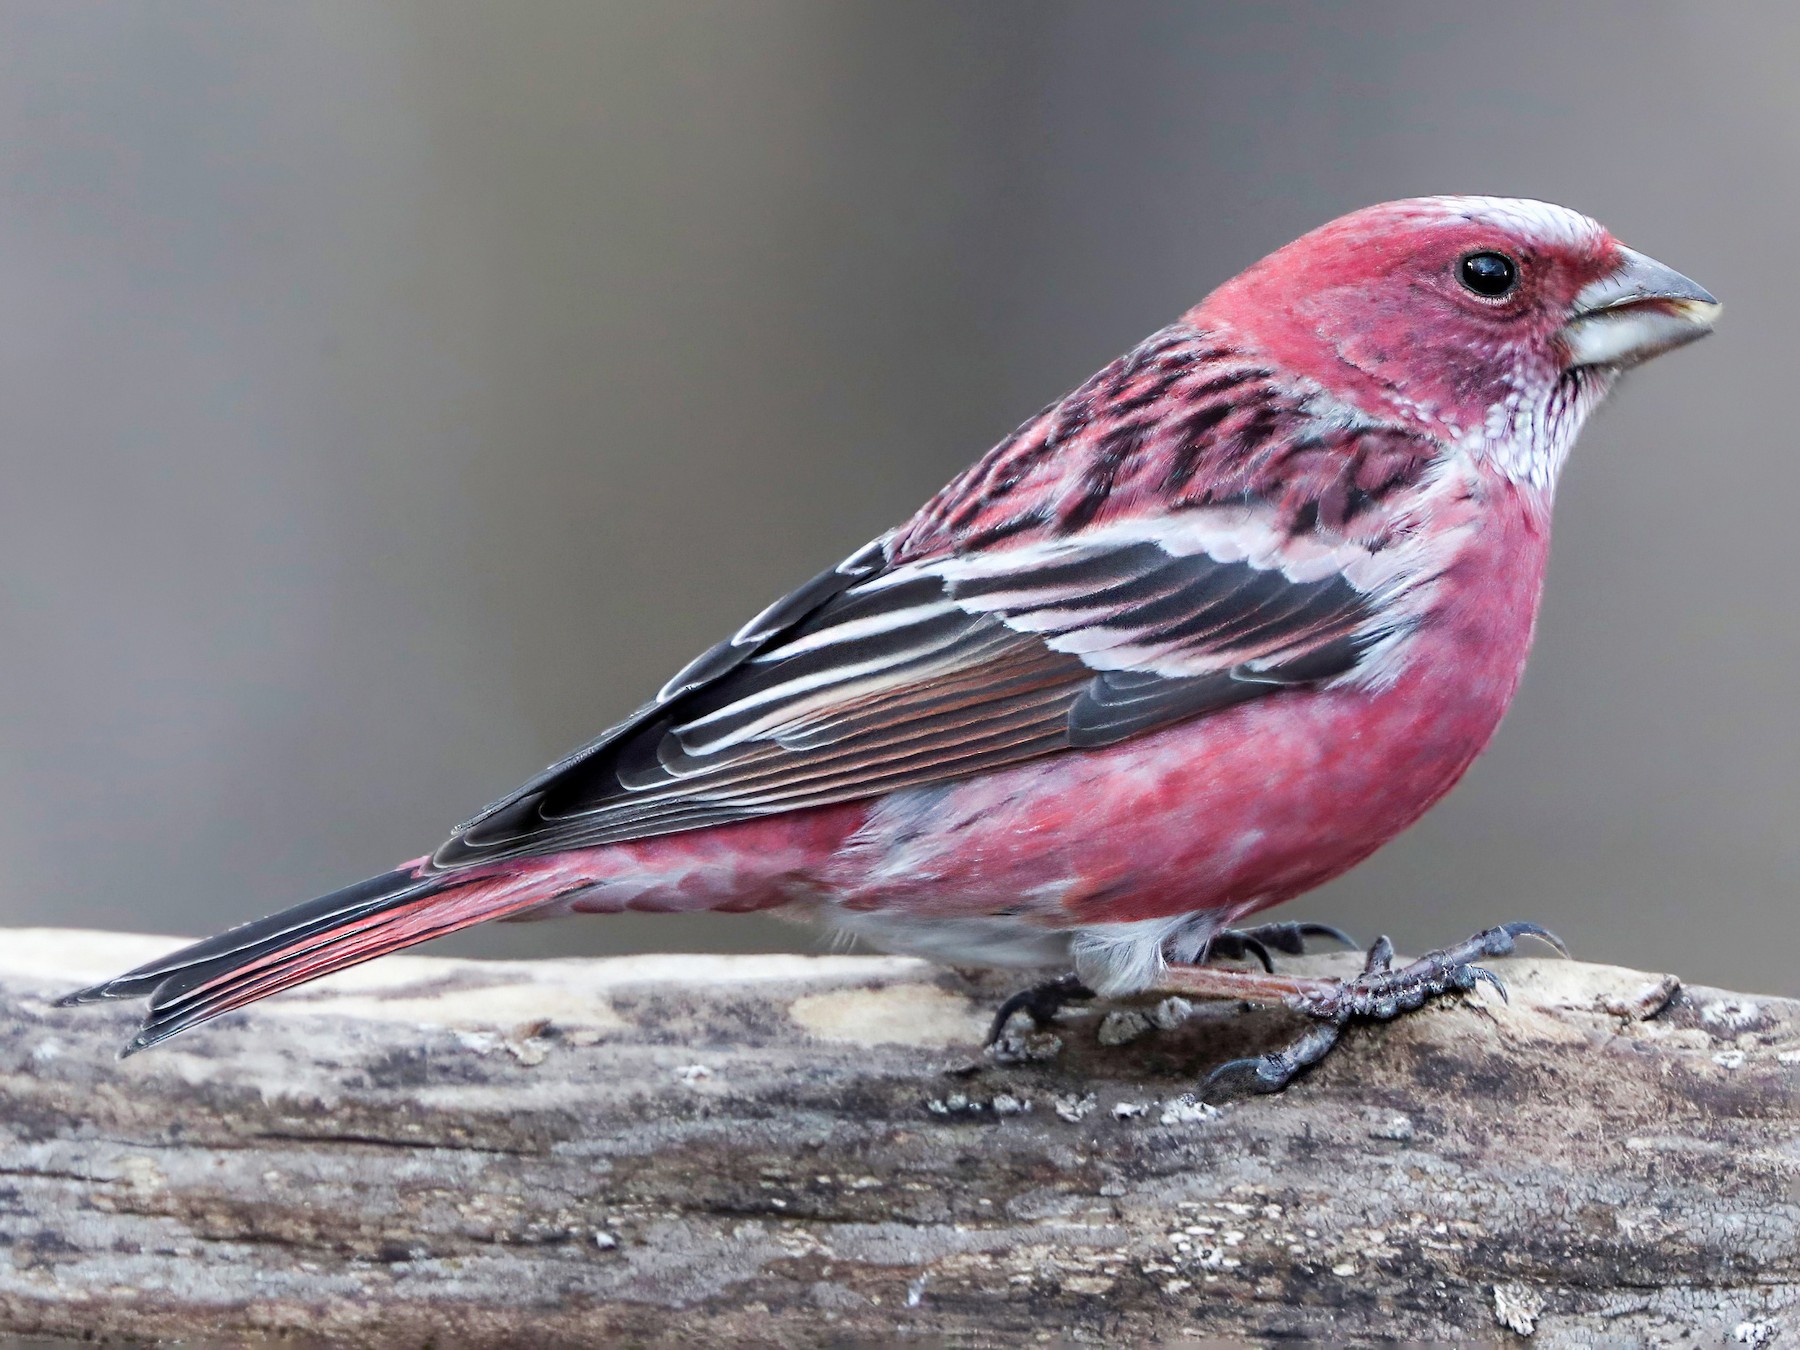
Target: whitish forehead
x,y
1552,224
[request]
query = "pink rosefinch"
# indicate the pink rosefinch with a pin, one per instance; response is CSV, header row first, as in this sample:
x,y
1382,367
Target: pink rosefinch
x,y
1196,638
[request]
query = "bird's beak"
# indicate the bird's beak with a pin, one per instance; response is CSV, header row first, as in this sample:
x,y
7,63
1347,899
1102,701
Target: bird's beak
x,y
1640,310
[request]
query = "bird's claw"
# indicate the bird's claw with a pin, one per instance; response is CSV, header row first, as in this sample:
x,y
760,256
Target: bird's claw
x,y
1041,1003
1379,994
1246,1077
1287,938
1543,935
1474,974
1324,930
1272,1072
1381,956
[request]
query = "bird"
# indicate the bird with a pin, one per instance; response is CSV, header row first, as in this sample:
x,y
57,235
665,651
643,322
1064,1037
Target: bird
x,y
1198,637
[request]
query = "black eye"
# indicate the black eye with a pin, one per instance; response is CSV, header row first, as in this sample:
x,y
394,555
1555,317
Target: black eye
x,y
1489,274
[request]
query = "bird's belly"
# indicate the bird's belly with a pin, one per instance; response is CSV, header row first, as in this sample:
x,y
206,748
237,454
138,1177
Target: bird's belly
x,y
983,940
1230,813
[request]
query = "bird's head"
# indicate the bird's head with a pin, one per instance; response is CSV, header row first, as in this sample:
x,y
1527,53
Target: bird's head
x,y
1495,324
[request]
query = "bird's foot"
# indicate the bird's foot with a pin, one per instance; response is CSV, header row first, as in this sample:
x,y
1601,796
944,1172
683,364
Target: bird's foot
x,y
1288,938
1379,994
1041,1003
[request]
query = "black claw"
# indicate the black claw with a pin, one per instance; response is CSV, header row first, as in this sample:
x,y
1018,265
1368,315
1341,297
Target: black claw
x,y
1325,930
1236,943
1287,938
1274,1071
1231,945
1477,974
1042,1002
1381,956
1242,1077
1283,937
1543,935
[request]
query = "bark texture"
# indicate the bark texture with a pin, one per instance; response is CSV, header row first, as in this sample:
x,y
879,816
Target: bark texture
x,y
802,1151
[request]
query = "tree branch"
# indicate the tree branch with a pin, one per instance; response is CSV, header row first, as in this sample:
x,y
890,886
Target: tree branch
x,y
811,1150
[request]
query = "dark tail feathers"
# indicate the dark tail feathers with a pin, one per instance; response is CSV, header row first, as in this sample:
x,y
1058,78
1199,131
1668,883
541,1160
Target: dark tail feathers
x,y
342,929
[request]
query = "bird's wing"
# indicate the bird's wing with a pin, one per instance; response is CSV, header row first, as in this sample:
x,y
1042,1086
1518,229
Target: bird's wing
x,y
877,676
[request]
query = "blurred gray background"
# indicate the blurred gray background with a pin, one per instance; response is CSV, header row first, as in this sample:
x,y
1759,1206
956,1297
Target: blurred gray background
x,y
393,394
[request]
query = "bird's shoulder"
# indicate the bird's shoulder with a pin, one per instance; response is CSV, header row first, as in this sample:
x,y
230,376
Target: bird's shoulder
x,y
1188,419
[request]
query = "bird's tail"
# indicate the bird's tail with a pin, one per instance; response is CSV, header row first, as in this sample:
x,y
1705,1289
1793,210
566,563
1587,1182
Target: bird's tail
x,y
345,928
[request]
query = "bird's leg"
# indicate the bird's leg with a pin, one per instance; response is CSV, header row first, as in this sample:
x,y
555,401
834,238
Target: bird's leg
x,y
1379,994
1287,938
1042,1002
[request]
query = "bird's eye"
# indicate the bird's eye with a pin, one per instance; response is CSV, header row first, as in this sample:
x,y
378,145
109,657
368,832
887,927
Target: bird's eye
x,y
1489,274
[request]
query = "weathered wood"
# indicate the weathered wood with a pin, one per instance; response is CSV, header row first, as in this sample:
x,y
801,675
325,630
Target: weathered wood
x,y
802,1151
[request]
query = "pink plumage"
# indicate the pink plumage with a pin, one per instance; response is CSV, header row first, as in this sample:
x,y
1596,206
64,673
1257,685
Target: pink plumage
x,y
1193,640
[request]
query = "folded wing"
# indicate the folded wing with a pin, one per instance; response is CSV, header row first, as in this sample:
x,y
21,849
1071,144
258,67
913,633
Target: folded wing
x,y
873,678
